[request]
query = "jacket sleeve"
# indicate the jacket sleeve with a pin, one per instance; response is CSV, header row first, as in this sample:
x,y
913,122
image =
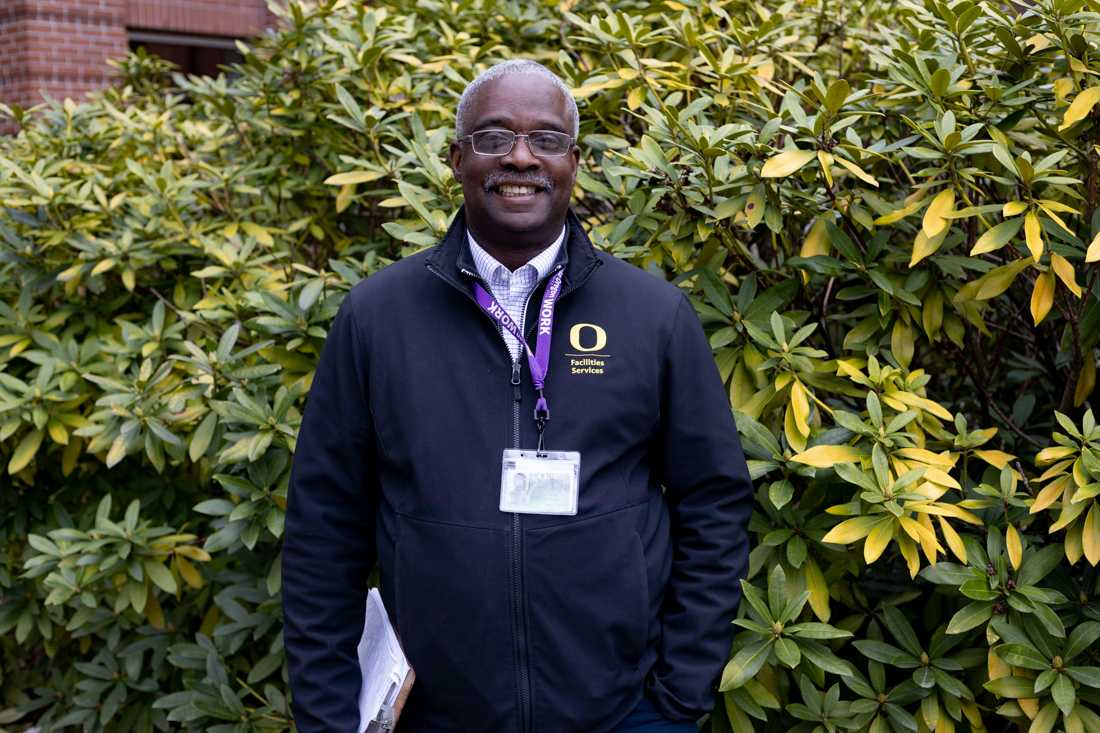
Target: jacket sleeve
x,y
329,546
709,494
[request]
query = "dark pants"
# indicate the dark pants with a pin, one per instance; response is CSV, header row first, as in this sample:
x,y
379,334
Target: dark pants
x,y
646,719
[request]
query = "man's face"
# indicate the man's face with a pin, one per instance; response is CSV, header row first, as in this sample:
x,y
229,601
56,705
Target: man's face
x,y
520,103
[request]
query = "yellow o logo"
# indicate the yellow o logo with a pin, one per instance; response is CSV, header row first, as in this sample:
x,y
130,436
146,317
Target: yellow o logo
x,y
575,337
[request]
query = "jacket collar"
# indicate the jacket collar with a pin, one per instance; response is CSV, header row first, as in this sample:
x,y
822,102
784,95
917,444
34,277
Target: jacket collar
x,y
451,258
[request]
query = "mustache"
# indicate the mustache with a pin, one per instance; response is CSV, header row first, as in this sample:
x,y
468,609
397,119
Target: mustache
x,y
530,179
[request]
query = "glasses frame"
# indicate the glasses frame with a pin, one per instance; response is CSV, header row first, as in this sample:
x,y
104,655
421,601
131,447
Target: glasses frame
x,y
515,138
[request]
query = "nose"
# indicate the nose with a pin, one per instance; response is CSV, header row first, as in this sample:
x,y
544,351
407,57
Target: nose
x,y
520,156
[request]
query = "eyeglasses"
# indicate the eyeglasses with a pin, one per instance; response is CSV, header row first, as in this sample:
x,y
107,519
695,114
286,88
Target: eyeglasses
x,y
548,143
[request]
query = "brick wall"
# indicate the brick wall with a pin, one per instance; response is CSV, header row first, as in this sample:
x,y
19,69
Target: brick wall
x,y
210,17
60,47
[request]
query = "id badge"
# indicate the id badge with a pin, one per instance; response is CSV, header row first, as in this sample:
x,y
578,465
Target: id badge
x,y
540,484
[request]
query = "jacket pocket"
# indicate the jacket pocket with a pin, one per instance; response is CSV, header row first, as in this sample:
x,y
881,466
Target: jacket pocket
x,y
589,616
452,616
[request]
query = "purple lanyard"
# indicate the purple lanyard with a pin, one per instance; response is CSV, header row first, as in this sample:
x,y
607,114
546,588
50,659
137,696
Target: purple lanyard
x,y
539,359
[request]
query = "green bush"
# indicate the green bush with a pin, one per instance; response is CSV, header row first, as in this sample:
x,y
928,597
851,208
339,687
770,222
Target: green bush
x,y
886,212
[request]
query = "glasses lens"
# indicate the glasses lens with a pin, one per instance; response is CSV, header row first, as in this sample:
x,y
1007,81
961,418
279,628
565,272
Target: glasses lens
x,y
492,142
547,142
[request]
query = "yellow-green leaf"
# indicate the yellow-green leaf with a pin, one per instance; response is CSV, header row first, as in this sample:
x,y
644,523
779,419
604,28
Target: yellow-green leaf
x,y
1033,233
851,530
1093,253
786,163
351,177
25,451
1014,546
800,403
827,456
898,214
1090,535
818,588
924,246
935,216
189,573
1064,270
258,233
1080,107
1042,297
996,237
857,171
877,540
816,242
997,280
1013,208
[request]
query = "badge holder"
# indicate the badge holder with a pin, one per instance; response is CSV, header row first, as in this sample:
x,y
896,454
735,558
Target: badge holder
x,y
540,481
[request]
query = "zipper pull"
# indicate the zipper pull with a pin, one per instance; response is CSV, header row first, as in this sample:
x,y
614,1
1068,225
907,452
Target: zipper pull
x,y
516,395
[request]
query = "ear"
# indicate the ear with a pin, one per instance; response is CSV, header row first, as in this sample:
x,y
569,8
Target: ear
x,y
454,155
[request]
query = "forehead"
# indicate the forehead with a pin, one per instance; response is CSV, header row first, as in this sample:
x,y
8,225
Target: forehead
x,y
520,102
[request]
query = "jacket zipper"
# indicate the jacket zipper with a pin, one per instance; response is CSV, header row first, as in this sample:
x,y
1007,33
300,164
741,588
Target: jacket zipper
x,y
523,674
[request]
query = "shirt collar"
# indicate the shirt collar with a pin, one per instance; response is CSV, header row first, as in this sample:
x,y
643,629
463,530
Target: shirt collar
x,y
487,265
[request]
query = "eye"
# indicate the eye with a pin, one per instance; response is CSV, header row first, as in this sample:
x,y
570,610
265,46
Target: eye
x,y
550,142
493,141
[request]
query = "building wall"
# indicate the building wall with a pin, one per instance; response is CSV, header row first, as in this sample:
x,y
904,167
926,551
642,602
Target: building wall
x,y
60,47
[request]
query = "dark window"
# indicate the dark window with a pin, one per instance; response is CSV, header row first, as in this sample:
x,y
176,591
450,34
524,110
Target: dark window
x,y
204,55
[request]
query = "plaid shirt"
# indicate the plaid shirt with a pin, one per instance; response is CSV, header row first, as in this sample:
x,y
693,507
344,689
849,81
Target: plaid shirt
x,y
511,289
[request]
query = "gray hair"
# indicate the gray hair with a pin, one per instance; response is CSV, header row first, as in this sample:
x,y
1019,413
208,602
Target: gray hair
x,y
512,66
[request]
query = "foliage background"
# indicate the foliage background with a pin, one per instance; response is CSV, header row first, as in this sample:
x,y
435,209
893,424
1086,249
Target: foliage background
x,y
886,212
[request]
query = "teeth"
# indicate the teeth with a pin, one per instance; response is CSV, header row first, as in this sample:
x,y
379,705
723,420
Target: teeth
x,y
509,190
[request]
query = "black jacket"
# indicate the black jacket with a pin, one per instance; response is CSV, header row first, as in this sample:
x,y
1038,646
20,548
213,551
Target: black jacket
x,y
526,623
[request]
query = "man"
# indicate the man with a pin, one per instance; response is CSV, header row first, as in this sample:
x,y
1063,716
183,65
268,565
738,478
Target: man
x,y
604,605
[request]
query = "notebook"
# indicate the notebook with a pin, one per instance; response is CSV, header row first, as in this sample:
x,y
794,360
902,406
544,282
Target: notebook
x,y
383,667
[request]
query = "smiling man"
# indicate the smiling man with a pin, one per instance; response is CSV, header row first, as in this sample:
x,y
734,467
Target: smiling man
x,y
532,439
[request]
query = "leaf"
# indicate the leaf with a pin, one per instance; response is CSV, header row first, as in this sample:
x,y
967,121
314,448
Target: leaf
x,y
851,530
351,177
1080,108
1063,693
826,456
1090,535
1033,233
200,439
1013,687
818,589
787,652
970,616
801,405
745,664
1093,253
935,216
1081,638
996,237
1088,676
1020,655
24,453
998,280
1045,720
1014,547
1065,272
881,651
160,575
925,246
877,540
817,241
856,171
786,163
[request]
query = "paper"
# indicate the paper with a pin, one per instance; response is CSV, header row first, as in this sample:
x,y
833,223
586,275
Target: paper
x,y
382,664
